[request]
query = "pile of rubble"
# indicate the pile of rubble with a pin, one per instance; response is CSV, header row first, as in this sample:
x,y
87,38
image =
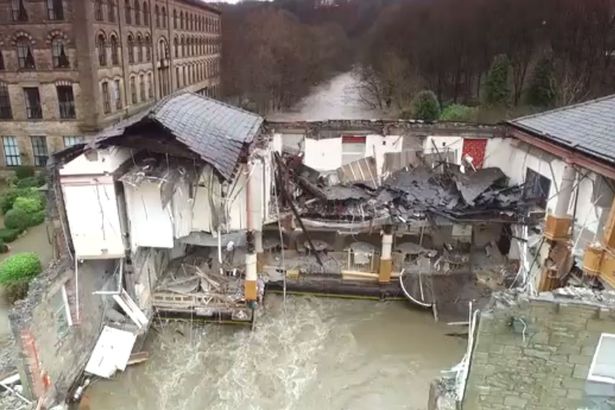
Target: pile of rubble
x,y
413,193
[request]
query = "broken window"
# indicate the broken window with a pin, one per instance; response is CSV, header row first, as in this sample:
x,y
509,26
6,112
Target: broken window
x,y
602,369
59,312
537,187
353,148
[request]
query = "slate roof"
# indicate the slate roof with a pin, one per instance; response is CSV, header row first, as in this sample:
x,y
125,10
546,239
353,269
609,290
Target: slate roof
x,y
588,127
212,129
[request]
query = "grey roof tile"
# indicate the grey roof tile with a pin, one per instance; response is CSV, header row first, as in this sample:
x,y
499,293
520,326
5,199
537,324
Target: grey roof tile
x,y
588,127
214,130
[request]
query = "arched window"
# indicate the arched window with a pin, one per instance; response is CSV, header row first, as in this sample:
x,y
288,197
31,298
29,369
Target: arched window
x,y
176,47
139,48
137,13
128,13
145,13
150,86
111,11
164,17
115,50
157,13
58,53
175,19
163,49
182,47
98,10
133,90
181,20
148,48
131,49
101,47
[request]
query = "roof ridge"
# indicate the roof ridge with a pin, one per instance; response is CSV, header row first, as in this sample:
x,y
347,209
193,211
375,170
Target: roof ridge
x,y
233,107
564,108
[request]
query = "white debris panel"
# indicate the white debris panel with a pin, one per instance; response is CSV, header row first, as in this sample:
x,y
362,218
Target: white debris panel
x,y
111,352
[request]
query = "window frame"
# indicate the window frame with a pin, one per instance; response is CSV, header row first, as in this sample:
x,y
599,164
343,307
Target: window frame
x,y
33,112
40,151
5,96
56,53
67,106
142,94
134,99
55,10
101,49
14,155
111,11
19,11
115,50
600,379
131,49
117,85
98,10
26,61
76,139
106,100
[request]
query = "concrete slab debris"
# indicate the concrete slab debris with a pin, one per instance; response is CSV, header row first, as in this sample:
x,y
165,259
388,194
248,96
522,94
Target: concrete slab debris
x,y
111,353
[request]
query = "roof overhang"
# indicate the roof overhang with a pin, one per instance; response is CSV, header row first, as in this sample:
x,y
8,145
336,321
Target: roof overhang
x,y
570,155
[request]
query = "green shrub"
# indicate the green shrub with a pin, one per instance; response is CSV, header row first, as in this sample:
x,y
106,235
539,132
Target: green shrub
x,y
31,182
24,172
29,205
7,199
426,106
9,235
20,267
458,112
37,218
17,219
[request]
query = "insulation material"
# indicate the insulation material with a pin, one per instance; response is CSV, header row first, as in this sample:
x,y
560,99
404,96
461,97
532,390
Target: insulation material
x,y
207,207
181,206
323,155
236,203
111,352
150,223
96,234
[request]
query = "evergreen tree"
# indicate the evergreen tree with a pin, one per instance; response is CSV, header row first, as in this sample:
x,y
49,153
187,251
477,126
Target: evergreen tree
x,y
426,106
541,91
496,90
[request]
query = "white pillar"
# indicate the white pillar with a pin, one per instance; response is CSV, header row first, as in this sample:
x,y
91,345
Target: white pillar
x,y
565,191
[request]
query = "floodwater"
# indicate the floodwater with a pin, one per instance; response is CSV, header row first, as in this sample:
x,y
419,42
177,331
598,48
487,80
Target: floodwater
x,y
337,99
308,353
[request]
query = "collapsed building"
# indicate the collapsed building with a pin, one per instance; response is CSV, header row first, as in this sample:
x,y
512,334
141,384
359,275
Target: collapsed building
x,y
197,208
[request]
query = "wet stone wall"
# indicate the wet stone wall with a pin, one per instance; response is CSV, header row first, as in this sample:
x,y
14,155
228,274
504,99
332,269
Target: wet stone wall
x,y
535,353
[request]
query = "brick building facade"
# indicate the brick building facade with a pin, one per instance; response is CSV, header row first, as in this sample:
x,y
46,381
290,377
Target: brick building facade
x,y
69,68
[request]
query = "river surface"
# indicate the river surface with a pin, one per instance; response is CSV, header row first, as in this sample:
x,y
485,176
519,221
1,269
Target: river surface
x,y
307,353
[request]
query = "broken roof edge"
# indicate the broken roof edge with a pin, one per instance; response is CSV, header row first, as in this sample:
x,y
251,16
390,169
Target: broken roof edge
x,y
567,296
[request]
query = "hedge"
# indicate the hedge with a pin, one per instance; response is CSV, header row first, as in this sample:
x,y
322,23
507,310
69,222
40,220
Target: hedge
x,y
29,205
20,267
9,235
31,182
37,218
17,219
7,199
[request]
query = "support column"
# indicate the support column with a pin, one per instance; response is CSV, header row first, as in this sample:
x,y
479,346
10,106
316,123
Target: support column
x,y
557,235
386,264
250,287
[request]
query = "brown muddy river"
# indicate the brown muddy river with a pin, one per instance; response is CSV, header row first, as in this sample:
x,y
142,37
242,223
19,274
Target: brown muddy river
x,y
309,354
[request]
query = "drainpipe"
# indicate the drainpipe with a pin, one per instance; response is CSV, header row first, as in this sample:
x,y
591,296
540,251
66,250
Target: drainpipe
x,y
386,264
